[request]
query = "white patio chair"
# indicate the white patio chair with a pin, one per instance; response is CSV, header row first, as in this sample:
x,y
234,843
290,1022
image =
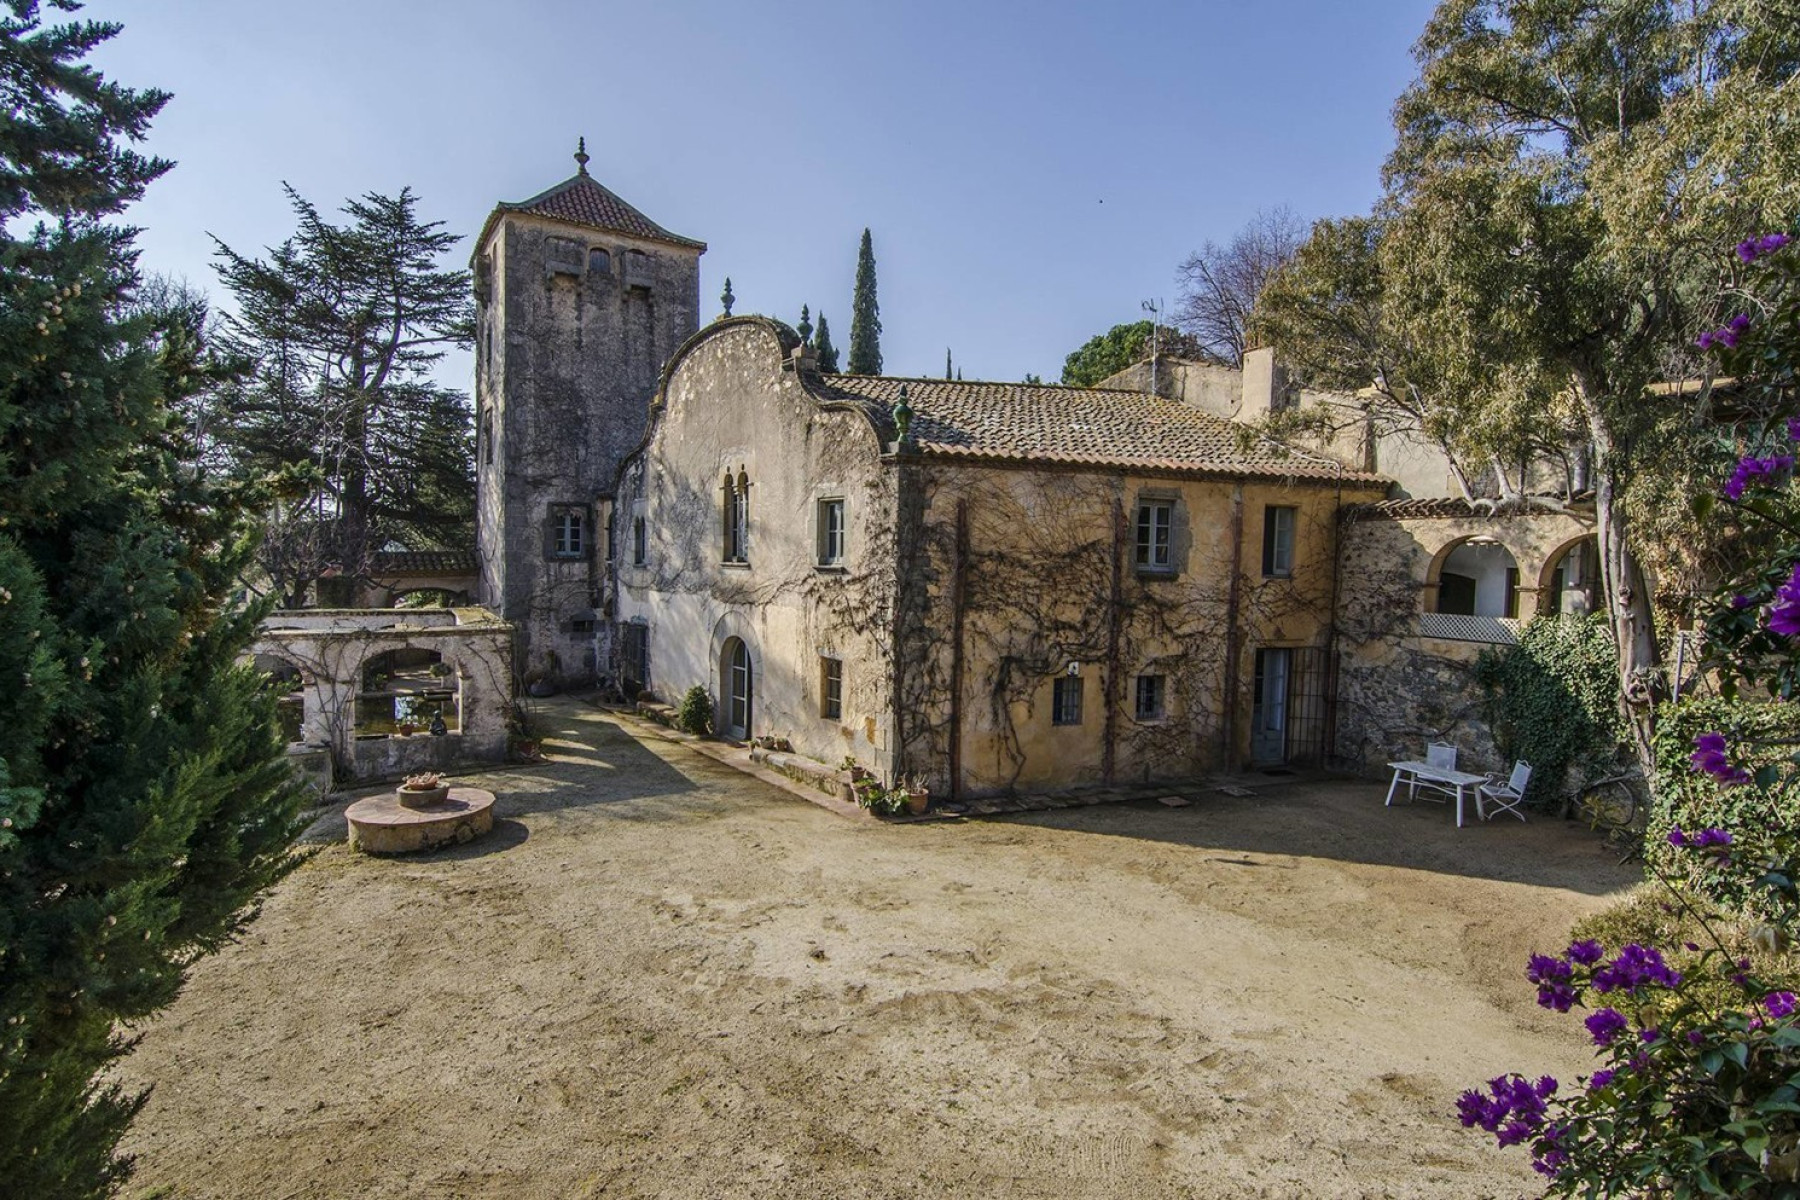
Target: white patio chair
x,y
1441,755
1504,797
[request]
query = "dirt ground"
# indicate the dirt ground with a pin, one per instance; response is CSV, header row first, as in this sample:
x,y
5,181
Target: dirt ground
x,y
661,978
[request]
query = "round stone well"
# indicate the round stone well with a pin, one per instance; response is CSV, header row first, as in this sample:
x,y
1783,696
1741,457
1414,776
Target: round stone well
x,y
382,825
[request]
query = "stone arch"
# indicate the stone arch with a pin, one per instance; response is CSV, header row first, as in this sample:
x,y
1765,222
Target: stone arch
x,y
1549,598
734,627
1486,595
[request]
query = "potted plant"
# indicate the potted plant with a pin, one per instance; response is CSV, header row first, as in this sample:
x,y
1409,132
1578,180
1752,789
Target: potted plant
x,y
883,802
423,790
918,796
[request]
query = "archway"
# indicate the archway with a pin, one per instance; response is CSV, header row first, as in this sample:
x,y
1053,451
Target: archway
x,y
736,699
1570,582
1475,576
407,691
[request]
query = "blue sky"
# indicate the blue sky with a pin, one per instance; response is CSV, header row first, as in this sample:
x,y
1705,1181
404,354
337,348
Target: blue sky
x,y
1031,171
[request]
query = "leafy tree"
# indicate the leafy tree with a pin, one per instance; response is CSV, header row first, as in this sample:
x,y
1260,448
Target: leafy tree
x,y
1565,177
1107,354
865,314
828,355
1033,380
144,803
342,325
1220,284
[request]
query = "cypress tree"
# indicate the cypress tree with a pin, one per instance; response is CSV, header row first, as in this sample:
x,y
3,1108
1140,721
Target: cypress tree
x,y
865,314
144,803
946,362
827,353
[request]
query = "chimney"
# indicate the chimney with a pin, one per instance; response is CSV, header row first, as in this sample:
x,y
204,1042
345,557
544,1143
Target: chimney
x,y
1265,385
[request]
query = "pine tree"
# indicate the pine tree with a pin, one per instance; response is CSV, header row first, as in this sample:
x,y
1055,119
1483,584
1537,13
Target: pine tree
x,y
827,353
865,314
344,325
144,802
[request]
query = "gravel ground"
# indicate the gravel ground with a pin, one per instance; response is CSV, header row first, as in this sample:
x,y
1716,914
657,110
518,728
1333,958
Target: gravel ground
x,y
659,977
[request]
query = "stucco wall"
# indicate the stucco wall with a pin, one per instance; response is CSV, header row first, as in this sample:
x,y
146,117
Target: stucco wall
x,y
1033,571
734,404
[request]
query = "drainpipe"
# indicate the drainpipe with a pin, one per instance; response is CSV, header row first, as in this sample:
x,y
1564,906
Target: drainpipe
x,y
1234,648
959,568
1112,680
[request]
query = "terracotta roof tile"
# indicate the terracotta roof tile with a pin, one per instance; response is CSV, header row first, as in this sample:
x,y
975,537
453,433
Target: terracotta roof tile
x,y
424,562
1079,426
1413,507
581,200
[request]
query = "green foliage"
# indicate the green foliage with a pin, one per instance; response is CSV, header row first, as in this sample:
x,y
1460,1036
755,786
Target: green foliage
x,y
1107,354
1033,380
342,326
882,801
865,314
827,353
144,799
1553,699
695,712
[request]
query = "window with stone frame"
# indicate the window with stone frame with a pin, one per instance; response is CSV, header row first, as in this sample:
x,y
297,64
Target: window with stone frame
x,y
831,687
568,532
1150,698
599,260
1065,700
737,518
831,531
1155,552
640,541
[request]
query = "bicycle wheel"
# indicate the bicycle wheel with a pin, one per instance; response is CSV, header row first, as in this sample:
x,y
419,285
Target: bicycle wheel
x,y
1610,805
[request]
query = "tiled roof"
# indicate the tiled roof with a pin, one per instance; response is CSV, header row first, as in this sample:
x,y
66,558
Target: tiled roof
x,y
1456,506
1079,426
424,562
581,200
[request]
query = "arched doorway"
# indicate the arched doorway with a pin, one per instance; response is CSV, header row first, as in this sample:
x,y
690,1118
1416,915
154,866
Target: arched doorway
x,y
735,676
1571,581
1477,577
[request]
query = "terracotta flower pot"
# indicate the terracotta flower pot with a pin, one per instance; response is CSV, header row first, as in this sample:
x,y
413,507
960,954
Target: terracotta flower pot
x,y
917,802
412,797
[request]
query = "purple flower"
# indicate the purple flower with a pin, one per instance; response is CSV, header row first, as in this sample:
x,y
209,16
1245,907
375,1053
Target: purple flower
x,y
1552,977
1706,837
1606,1025
1600,1080
1793,429
1741,601
1750,249
1514,1109
1709,757
1784,613
1695,1037
1635,967
1780,1004
1752,469
1705,340
1586,952
1738,323
1647,1036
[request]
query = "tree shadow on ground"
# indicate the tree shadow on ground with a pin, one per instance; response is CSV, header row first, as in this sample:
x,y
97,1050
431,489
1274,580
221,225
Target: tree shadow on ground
x,y
1346,821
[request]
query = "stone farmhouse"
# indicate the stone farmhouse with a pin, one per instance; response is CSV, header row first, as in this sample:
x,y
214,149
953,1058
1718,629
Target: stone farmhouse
x,y
981,585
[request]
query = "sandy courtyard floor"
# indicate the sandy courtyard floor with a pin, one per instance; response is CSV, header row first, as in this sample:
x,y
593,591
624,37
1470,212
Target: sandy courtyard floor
x,y
661,978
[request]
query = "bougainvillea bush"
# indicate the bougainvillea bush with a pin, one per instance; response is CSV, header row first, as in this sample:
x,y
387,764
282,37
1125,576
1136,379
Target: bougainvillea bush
x,y
1696,1090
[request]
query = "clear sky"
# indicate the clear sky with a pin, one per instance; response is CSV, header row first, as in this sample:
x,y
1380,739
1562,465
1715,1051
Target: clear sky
x,y
1031,171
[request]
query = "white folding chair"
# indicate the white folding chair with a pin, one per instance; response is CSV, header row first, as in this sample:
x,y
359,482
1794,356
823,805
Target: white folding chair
x,y
1441,755
1504,797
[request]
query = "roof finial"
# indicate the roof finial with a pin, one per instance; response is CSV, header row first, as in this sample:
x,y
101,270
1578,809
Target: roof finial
x,y
581,154
726,298
903,415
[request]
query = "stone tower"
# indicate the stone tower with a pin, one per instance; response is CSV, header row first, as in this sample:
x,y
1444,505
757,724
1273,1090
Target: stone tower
x,y
579,299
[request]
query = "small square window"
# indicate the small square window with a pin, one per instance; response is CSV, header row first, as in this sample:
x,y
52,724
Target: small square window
x,y
568,533
831,688
1150,698
1065,701
581,625
1278,541
831,533
1155,535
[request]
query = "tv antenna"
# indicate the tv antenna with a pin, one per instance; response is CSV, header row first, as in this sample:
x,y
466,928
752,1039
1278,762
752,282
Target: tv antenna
x,y
1154,308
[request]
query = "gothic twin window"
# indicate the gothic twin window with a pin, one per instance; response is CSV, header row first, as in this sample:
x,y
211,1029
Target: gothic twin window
x,y
737,517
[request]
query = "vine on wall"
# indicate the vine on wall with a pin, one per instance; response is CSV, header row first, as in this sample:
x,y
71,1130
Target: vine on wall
x,y
1553,700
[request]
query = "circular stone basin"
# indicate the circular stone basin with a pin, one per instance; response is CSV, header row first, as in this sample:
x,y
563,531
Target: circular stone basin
x,y
382,825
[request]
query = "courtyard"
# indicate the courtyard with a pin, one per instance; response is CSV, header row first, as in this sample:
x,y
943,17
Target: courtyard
x,y
660,977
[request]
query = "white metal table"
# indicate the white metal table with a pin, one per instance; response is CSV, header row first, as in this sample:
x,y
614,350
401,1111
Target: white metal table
x,y
1448,779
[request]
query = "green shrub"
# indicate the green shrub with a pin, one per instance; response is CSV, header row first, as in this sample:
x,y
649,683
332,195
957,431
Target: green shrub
x,y
1553,699
694,713
1693,799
